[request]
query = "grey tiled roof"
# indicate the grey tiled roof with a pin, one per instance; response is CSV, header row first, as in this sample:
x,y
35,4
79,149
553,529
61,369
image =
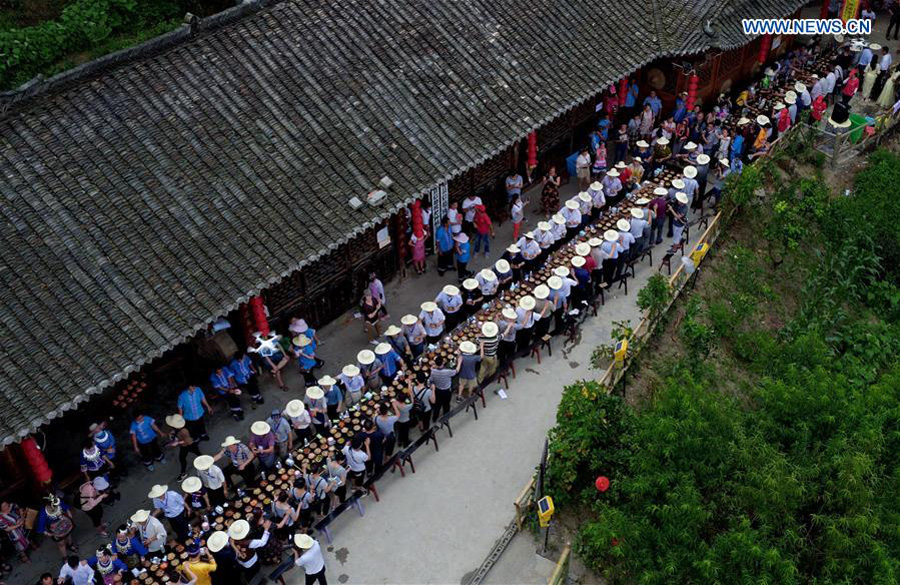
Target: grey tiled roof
x,y
133,200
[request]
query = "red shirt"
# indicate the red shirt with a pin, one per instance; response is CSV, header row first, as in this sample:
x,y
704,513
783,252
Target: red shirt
x,y
589,263
483,223
624,175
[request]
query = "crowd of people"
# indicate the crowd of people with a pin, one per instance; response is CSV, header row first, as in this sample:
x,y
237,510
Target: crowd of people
x,y
634,141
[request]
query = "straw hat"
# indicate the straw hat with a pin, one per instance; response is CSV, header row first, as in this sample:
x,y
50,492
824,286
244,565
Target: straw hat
x,y
366,357
875,47
677,183
509,313
301,341
724,162
642,201
661,191
703,159
612,173
541,292
470,284
429,306
191,485
328,380
157,491
778,106
594,242
572,204
502,266
690,171
176,421
315,393
743,121
262,428
635,159
843,124
681,197
293,408
382,349
513,249
529,235
140,516
583,196
790,93
561,271
229,441
762,120
642,144
450,290
390,332
544,226
611,236
216,541
409,320
621,164
467,347
303,541
350,370
790,100
239,529
203,462
583,249
527,303
637,213
490,329
663,141
558,219
555,282
578,261
690,146
800,87
596,186
487,274
624,225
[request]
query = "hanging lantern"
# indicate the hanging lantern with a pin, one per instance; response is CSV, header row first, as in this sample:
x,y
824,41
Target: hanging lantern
x,y
418,228
258,310
36,461
532,150
623,90
693,83
602,483
764,48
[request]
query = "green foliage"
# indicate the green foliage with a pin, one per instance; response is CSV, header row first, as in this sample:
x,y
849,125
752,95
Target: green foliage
x,y
655,296
587,441
796,207
83,25
739,190
696,335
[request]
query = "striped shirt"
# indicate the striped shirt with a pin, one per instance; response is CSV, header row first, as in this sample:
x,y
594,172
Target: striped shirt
x,y
490,345
442,378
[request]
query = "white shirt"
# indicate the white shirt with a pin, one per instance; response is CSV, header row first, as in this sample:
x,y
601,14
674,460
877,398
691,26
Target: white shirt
x,y
599,199
544,239
885,62
433,322
153,531
453,216
82,575
468,207
558,231
525,319
450,304
583,161
312,560
805,98
488,287
637,227
518,212
356,459
530,249
573,217
610,250
584,206
625,240
828,84
172,504
213,478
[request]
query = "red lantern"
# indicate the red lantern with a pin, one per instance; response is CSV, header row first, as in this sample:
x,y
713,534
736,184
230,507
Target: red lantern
x,y
532,150
258,310
623,90
602,483
693,82
36,461
417,223
764,48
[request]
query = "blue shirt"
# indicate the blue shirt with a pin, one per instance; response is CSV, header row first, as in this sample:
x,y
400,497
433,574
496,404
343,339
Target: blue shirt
x,y
655,104
333,397
680,110
143,430
631,96
463,254
444,239
737,145
603,125
241,369
220,381
391,362
191,403
106,442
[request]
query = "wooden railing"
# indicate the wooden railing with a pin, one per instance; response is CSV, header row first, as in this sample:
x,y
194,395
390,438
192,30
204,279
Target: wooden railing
x,y
524,503
561,573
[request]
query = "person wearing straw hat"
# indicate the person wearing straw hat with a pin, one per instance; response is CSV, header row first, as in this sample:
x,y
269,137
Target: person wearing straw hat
x,y
281,427
558,232
662,154
489,342
691,185
609,250
640,229
432,319
195,495
531,252
222,381
598,198
180,437
584,206
462,255
262,443
450,303
472,297
369,367
390,365
515,262
318,408
612,187
571,211
543,311
791,102
308,556
227,569
702,167
246,547
415,334
721,172
441,381
301,421
170,504
504,272
470,355
626,243
192,405
305,352
399,343
559,296
678,209
506,323
543,235
242,461
582,290
212,478
150,530
524,323
245,375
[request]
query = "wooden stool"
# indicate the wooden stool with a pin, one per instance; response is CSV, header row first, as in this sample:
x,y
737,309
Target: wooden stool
x,y
536,352
502,379
545,342
667,262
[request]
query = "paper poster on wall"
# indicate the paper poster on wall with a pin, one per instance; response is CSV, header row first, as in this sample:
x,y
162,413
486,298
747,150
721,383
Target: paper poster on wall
x,y
384,239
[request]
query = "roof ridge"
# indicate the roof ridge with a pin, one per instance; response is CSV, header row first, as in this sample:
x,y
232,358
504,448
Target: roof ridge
x,y
658,25
192,27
